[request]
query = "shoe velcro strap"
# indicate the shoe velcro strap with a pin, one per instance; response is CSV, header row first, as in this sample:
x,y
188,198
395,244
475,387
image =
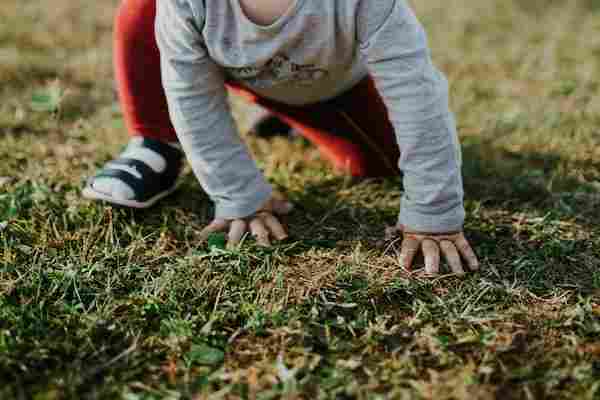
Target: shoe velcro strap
x,y
147,173
150,183
143,191
170,153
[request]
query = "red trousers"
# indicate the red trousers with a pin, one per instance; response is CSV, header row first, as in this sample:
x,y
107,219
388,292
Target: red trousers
x,y
352,131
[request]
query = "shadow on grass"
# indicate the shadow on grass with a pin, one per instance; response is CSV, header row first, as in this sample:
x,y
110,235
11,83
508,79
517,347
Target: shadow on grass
x,y
528,181
532,228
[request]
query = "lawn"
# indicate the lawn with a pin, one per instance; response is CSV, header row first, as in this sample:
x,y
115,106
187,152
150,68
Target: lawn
x,y
105,303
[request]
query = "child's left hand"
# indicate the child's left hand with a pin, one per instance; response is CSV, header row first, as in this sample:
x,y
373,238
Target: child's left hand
x,y
452,245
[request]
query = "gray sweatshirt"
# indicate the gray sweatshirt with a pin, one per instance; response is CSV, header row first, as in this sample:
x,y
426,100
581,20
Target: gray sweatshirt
x,y
314,52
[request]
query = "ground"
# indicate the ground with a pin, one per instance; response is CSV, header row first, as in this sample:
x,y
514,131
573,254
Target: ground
x,y
99,302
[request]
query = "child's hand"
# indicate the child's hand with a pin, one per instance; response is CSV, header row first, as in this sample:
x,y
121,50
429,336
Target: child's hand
x,y
263,224
452,245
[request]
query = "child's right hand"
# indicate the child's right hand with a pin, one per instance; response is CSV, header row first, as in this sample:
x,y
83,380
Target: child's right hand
x,y
263,224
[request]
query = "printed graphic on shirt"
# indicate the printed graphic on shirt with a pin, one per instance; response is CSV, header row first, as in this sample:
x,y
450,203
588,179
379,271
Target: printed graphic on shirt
x,y
278,70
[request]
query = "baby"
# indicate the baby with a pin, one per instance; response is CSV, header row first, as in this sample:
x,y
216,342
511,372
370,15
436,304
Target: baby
x,y
355,77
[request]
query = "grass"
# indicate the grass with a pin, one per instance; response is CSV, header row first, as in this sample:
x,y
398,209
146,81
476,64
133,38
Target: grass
x,y
105,303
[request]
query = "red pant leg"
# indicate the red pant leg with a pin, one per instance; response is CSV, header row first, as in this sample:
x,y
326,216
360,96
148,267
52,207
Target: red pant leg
x,y
363,119
137,70
352,131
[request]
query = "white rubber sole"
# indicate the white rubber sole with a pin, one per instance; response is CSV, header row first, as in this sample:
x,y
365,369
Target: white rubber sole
x,y
89,193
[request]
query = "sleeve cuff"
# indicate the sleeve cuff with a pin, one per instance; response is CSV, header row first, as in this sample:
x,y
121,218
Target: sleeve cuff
x,y
243,207
450,221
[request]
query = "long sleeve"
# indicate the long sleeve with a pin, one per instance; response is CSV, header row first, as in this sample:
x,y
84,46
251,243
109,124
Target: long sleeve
x,y
416,95
197,98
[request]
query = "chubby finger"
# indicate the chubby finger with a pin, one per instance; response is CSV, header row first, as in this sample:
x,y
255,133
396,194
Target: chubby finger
x,y
260,232
467,252
273,224
217,225
452,257
410,247
431,252
236,232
